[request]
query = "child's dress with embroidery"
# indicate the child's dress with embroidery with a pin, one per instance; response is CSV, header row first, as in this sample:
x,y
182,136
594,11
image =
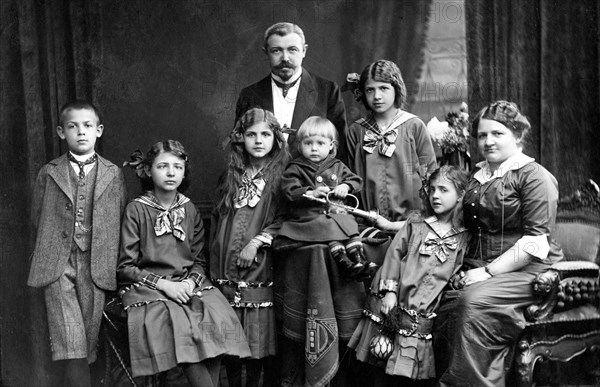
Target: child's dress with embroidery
x,y
157,242
417,266
248,290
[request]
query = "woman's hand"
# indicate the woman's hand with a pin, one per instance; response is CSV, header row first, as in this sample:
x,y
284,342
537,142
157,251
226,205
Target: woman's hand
x,y
341,191
473,276
178,291
248,254
319,192
389,301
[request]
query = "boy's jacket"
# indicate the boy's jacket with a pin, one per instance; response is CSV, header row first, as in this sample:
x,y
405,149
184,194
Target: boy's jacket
x,y
53,214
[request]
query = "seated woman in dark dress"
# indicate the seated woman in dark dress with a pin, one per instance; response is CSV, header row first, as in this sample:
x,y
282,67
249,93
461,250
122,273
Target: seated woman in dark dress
x,y
510,210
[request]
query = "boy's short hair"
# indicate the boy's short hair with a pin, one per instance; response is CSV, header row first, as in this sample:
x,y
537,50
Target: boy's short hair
x,y
283,29
318,126
78,104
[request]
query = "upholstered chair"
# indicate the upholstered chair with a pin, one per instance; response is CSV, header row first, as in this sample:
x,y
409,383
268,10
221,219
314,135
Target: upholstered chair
x,y
565,324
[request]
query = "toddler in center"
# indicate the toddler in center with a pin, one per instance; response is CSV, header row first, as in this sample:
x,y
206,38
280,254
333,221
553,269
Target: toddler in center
x,y
314,175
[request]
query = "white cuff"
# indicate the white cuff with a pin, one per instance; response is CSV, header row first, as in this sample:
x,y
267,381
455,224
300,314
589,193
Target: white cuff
x,y
536,245
265,238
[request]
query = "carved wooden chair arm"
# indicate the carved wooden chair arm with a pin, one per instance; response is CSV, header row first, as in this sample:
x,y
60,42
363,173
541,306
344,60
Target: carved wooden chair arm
x,y
564,286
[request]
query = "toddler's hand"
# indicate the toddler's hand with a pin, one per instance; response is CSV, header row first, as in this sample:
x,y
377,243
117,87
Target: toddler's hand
x,y
388,302
248,254
177,291
341,191
320,192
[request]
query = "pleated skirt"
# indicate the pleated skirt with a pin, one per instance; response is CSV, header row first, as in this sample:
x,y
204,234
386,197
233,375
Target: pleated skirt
x,y
163,333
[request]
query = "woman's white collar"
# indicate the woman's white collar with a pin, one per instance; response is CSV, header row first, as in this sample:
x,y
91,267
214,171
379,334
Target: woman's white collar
x,y
516,161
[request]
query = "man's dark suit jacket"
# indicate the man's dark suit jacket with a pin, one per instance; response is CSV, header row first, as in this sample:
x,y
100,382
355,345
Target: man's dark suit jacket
x,y
316,97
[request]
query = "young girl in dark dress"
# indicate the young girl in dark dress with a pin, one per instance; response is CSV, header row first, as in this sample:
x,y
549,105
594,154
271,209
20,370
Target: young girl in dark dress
x,y
175,315
242,228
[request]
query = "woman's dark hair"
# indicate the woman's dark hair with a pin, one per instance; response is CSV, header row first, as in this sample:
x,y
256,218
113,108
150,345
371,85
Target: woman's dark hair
x,y
459,178
383,71
506,113
168,146
239,159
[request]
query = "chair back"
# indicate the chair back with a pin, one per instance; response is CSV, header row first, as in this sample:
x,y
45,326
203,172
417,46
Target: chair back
x,y
578,224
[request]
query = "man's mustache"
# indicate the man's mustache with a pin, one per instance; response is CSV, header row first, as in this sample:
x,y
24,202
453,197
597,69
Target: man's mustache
x,y
284,65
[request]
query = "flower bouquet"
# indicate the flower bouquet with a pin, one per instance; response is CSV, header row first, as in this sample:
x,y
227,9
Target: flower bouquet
x,y
452,137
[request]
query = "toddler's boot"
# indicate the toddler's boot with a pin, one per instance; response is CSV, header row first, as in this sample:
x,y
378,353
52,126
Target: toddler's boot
x,y
338,252
356,254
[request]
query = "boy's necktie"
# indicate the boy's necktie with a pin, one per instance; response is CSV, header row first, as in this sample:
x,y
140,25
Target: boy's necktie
x,y
81,164
285,87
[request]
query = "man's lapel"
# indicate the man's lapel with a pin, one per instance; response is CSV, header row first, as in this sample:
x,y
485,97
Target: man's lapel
x,y
60,174
265,93
305,102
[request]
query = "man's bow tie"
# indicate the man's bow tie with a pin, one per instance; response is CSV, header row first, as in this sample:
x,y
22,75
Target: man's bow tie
x,y
285,87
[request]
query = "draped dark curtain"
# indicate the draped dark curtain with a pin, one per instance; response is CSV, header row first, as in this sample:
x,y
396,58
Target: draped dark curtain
x,y
158,69
543,55
46,48
393,30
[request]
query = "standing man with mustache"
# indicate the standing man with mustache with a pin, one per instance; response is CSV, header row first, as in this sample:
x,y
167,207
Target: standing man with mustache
x,y
290,91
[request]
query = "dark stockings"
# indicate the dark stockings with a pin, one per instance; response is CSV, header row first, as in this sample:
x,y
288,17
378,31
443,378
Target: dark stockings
x,y
254,369
77,373
203,374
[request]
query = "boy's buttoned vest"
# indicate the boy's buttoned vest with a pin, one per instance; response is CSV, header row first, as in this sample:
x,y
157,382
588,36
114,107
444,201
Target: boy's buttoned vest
x,y
83,197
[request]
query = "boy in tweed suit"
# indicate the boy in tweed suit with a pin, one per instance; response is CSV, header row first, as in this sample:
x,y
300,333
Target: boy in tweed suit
x,y
77,205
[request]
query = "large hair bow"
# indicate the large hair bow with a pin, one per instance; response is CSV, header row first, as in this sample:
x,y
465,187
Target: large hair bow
x,y
136,162
352,82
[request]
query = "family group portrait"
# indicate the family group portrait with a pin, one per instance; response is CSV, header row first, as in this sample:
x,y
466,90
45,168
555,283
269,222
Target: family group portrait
x,y
309,193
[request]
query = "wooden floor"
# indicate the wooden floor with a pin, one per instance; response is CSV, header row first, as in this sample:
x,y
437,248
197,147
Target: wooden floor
x,y
173,378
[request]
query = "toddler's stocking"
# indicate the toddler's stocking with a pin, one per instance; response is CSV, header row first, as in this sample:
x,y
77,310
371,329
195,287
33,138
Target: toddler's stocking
x,y
338,252
356,253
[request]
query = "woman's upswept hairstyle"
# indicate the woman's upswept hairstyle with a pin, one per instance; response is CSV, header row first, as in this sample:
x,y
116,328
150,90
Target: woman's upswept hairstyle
x,y
167,146
459,178
230,181
506,113
383,71
318,126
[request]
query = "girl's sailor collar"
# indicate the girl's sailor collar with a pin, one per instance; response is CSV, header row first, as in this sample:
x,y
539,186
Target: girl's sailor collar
x,y
513,163
437,243
432,222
